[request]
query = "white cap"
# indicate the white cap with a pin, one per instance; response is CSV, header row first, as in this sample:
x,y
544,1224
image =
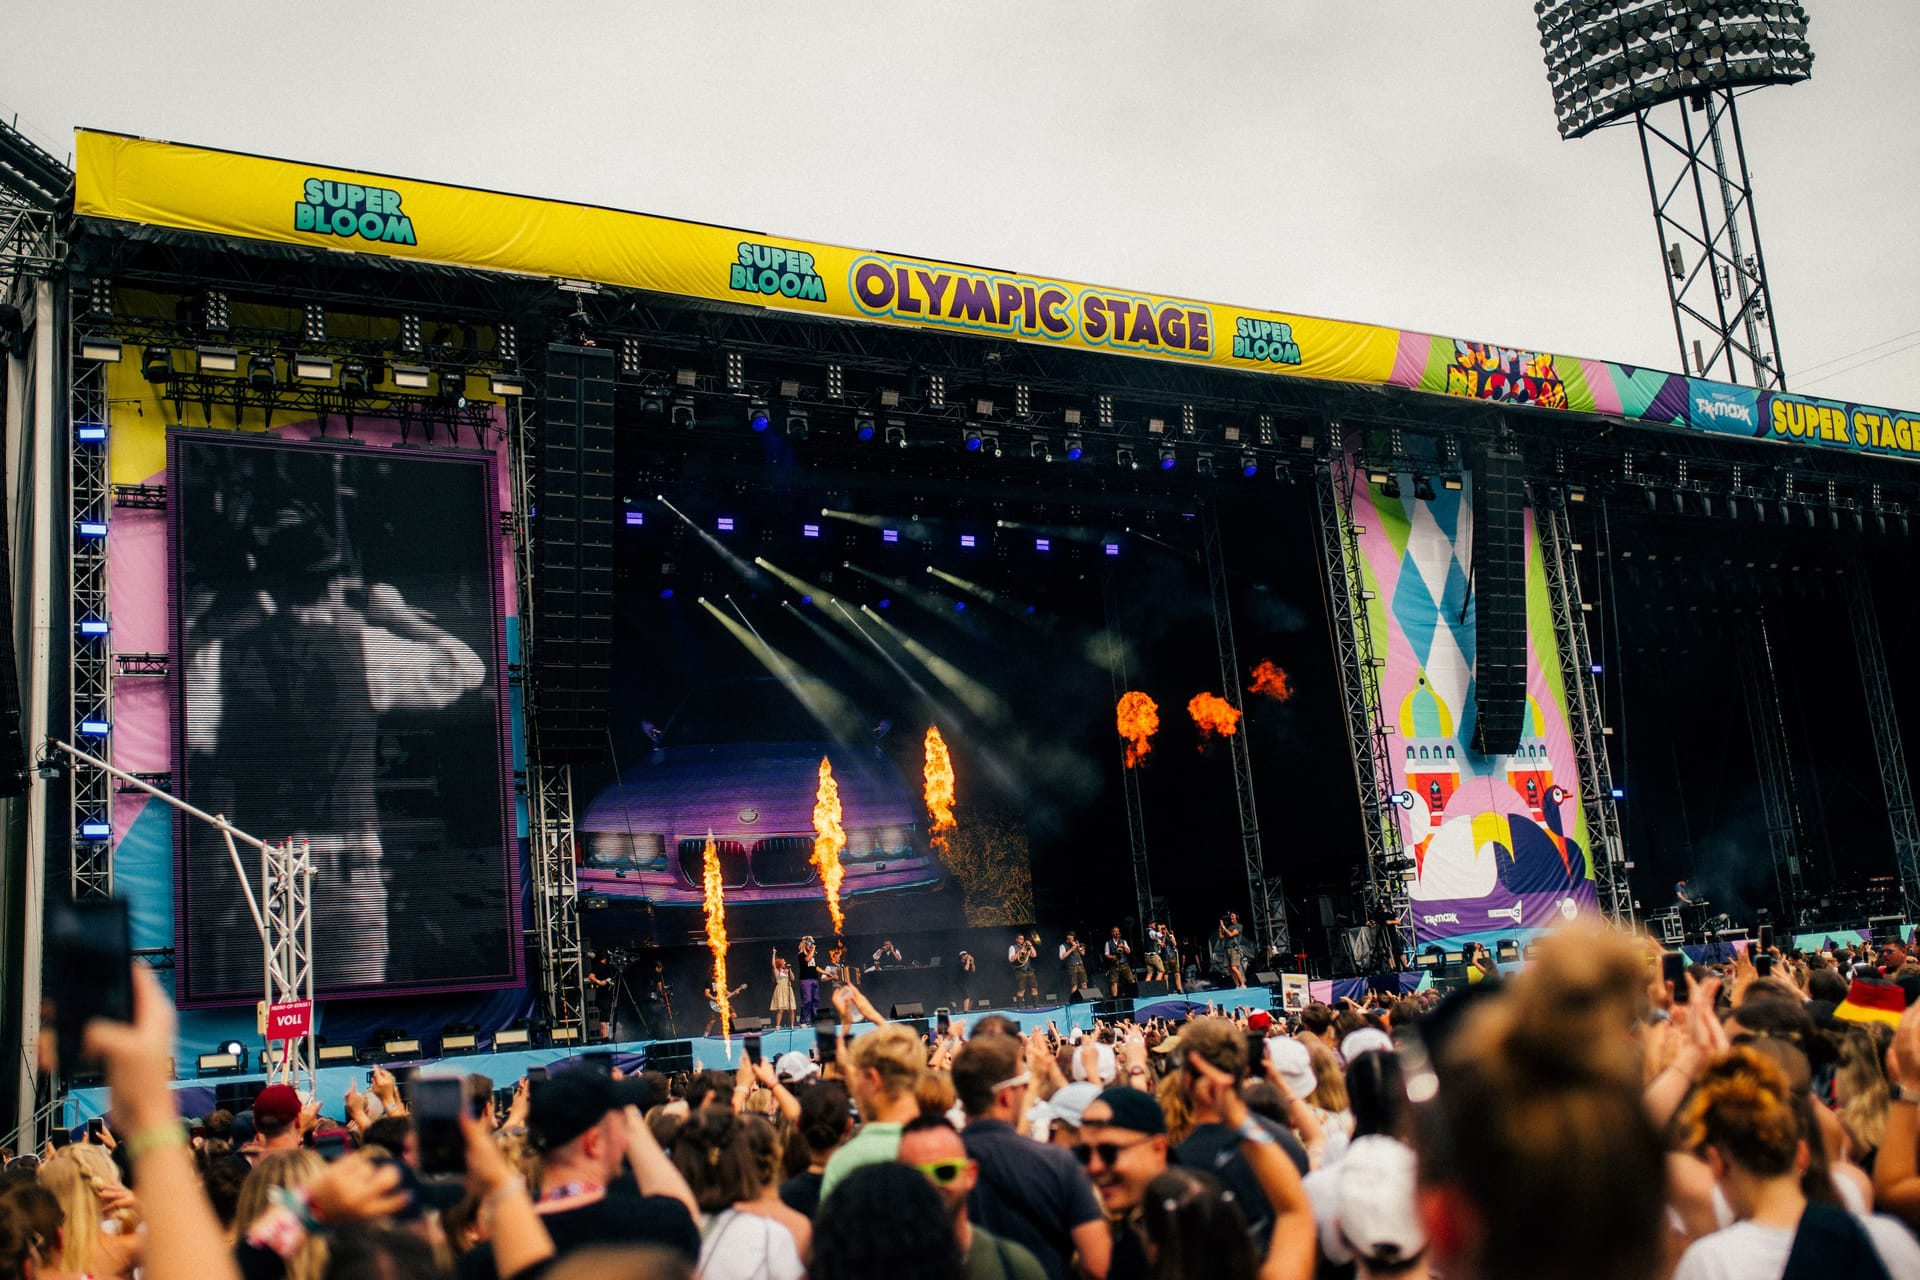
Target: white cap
x,y
792,1067
1364,1040
1069,1102
1295,1065
1377,1218
1107,1065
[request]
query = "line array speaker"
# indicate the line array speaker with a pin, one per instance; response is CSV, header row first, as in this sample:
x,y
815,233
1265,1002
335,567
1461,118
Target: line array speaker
x,y
573,632
1499,603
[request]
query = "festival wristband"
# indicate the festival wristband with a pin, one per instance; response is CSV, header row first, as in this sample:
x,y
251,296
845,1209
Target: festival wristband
x,y
148,1141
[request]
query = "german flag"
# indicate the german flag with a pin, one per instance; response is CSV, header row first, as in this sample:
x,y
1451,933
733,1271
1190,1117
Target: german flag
x,y
1872,1002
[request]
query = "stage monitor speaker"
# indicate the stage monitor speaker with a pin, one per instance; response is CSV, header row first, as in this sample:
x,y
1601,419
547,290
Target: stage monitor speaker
x,y
236,1097
1113,1009
750,1024
1266,978
1089,994
1325,902
1499,602
912,1009
669,1057
572,667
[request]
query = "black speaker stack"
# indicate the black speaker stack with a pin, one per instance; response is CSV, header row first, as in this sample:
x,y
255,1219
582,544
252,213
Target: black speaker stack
x,y
1499,603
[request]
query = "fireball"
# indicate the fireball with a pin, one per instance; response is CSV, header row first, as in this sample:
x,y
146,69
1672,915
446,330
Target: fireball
x,y
939,784
829,838
1138,718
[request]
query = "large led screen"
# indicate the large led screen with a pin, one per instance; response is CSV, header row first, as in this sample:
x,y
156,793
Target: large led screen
x,y
338,677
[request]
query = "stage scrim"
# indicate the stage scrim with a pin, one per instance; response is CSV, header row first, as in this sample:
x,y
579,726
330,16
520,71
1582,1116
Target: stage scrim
x,y
337,626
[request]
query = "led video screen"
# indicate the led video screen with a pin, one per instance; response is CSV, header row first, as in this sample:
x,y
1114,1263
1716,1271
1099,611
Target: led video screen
x,y
337,676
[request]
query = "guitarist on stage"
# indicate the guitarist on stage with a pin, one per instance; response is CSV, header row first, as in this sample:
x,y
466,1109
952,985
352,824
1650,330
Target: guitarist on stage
x,y
713,1003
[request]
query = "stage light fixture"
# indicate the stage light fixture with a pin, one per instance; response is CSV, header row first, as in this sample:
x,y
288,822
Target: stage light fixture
x,y
1076,447
863,427
809,530
1043,544
973,442
263,373
889,535
90,432
453,387
100,350
216,315
1125,459
1455,483
459,1037
967,543
405,1047
1249,466
514,1037
96,830
313,324
1423,489
156,365
412,377
334,1054
683,414
686,378
1506,951
636,519
411,341
92,528
355,378
757,416
312,368
93,626
897,435
1379,475
94,728
1113,548
1391,489
1202,464
1167,459
217,359
100,296
630,357
799,424
724,524
507,386
221,1063
1039,449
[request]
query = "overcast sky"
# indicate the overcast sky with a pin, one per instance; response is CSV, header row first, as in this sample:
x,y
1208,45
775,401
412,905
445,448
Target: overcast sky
x,y
1401,167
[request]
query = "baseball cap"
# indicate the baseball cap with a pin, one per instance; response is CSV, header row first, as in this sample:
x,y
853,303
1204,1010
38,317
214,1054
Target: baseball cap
x,y
1365,1040
242,1131
1295,1065
1069,1102
1134,1110
1259,1020
1376,1216
793,1066
1105,1063
568,1103
277,1106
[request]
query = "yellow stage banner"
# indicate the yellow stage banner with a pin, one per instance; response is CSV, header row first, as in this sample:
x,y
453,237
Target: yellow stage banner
x,y
229,194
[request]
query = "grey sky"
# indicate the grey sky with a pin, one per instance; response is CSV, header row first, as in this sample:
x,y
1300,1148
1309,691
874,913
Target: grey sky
x,y
1387,162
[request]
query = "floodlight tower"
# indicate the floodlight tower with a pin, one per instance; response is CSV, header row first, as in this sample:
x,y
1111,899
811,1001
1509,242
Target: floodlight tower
x,y
1674,67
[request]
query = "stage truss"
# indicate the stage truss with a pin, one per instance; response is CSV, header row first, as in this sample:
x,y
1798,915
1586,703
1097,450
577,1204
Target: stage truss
x,y
1888,751
1388,867
90,667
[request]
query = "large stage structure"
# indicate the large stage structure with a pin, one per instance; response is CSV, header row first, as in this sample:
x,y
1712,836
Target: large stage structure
x,y
1458,485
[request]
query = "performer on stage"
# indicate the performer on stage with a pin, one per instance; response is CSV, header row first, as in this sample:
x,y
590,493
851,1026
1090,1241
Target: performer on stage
x,y
1231,952
660,994
1119,954
601,991
713,1003
1020,956
782,1007
1160,963
1682,896
967,970
807,969
1073,954
887,955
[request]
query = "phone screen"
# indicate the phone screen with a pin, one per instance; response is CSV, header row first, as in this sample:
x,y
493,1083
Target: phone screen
x,y
1763,965
437,1102
1673,968
943,1021
89,969
752,1046
537,1074
1766,937
826,1031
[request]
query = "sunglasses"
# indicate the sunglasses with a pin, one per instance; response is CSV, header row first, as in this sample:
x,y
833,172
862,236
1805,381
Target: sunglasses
x,y
1109,1152
943,1172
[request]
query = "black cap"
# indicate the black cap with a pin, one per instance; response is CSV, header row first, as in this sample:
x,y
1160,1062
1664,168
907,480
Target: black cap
x,y
568,1103
1135,1110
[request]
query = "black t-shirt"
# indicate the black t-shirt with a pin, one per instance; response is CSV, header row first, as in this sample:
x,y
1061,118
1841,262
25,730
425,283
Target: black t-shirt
x,y
1028,1192
1215,1149
801,1193
805,969
622,1216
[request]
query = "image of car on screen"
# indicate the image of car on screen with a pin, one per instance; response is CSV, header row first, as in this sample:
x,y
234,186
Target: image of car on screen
x,y
741,760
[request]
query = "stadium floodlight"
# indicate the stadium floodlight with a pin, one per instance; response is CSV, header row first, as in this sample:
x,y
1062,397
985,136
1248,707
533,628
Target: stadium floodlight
x,y
1607,61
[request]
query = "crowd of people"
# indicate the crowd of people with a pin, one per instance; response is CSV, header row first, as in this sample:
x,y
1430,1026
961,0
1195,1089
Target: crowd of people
x,y
1587,1117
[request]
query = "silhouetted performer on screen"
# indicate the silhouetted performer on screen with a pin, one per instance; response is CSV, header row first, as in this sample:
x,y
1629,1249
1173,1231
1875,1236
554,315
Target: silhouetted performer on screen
x,y
285,694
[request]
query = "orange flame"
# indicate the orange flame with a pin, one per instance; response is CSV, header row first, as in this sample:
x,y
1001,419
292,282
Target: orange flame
x,y
717,934
1270,681
829,838
939,779
1214,714
1138,717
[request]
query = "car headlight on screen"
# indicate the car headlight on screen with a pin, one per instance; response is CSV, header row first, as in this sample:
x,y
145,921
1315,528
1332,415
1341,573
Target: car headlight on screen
x,y
860,844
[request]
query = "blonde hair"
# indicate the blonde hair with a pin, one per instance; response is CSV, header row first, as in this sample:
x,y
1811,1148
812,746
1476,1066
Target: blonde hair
x,y
76,1176
1330,1079
1862,1087
1177,1107
893,1051
288,1170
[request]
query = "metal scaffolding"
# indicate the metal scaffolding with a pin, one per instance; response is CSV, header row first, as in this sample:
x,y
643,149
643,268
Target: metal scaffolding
x,y
1387,866
1703,210
90,666
550,834
1584,715
1888,752
1129,776
1779,802
286,946
1269,902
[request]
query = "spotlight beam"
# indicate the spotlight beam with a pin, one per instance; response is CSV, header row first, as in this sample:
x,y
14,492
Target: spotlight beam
x,y
819,699
933,602
1005,603
720,548
983,702
854,659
